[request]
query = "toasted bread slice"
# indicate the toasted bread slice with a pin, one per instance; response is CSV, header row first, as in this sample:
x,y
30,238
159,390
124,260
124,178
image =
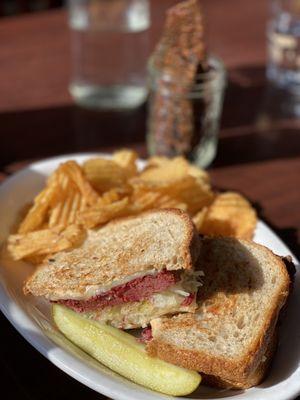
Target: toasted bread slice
x,y
117,253
252,379
231,335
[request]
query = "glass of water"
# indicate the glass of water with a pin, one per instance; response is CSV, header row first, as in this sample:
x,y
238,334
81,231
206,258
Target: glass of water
x,y
283,34
109,40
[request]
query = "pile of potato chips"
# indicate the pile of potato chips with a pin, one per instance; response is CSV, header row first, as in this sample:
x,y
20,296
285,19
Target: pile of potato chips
x,y
77,198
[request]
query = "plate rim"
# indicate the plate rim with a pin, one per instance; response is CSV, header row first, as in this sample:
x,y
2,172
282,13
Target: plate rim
x,y
42,343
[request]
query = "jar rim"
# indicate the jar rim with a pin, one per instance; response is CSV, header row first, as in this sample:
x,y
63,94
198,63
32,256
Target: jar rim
x,y
216,73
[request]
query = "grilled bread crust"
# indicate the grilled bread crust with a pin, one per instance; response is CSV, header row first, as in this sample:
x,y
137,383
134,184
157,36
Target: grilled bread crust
x,y
231,335
116,253
254,379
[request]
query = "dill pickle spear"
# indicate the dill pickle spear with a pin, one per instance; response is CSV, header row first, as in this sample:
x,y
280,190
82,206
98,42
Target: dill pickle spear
x,y
123,354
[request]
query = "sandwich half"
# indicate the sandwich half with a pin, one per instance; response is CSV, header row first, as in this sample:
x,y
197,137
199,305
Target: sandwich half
x,y
127,273
231,337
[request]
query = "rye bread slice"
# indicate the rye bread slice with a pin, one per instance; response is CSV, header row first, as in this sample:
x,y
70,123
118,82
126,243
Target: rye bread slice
x,y
231,335
123,249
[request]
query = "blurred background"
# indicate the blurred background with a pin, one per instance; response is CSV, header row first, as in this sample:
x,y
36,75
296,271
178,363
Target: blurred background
x,y
259,128
13,7
39,117
35,73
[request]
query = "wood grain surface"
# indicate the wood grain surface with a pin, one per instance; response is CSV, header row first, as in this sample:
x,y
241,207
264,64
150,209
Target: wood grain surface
x,y
259,147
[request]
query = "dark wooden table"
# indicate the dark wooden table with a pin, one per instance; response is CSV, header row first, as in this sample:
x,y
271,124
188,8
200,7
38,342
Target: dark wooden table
x,y
259,149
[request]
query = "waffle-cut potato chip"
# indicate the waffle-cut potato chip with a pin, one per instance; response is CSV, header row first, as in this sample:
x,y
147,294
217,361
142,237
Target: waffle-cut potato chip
x,y
167,202
185,183
199,218
114,195
149,186
192,191
75,173
127,159
157,161
74,208
46,241
230,215
104,213
199,173
38,212
83,204
173,170
79,198
65,212
59,178
59,212
142,201
193,170
59,202
104,174
54,215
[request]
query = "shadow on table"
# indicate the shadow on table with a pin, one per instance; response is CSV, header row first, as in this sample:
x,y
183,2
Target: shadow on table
x,y
254,126
258,122
18,366
245,88
46,132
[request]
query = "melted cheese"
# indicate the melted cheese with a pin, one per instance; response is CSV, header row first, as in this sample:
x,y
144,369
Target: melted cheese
x,y
139,314
95,290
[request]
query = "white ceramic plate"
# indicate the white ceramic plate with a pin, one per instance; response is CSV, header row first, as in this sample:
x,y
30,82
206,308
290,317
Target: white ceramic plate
x,y
31,317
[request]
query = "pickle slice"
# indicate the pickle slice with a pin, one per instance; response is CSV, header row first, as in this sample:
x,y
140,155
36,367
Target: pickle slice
x,y
123,354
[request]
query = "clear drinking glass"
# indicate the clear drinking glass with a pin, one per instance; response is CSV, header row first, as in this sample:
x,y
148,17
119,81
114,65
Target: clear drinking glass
x,y
181,123
283,33
109,40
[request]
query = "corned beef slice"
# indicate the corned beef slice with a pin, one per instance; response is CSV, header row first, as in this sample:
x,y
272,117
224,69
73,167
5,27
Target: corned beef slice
x,y
188,300
146,335
136,290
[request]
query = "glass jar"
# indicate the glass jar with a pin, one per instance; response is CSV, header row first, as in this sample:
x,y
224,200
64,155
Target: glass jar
x,y
183,120
106,37
283,33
